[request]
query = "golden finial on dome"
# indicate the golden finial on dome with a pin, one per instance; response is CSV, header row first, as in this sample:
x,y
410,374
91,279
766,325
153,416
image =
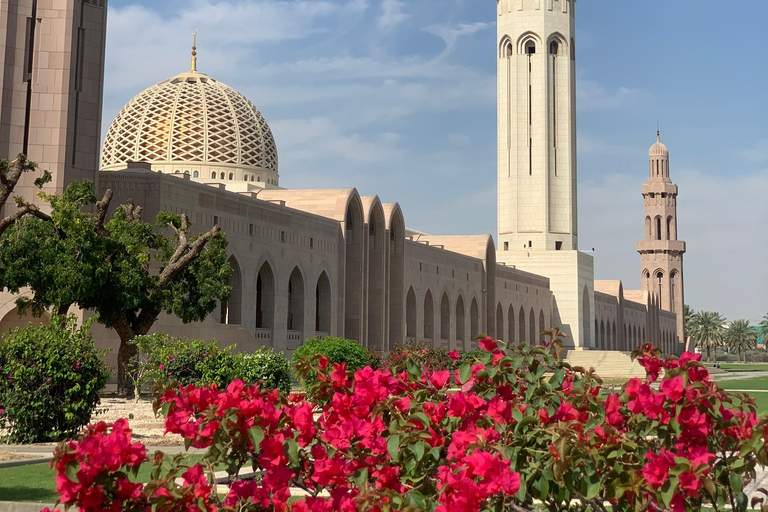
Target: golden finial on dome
x,y
194,52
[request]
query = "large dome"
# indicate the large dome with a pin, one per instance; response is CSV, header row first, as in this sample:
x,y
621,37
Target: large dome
x,y
195,125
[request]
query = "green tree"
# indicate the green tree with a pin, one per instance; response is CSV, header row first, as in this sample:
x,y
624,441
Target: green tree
x,y
688,325
125,271
708,330
741,336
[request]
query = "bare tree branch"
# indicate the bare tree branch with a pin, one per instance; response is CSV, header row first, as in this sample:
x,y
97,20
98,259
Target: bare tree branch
x,y
184,255
101,212
24,209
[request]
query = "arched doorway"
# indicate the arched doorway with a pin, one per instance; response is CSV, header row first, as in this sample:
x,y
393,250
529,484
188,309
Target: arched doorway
x,y
265,298
429,318
230,311
473,320
532,323
521,326
445,320
460,323
586,318
410,314
511,327
499,322
296,301
12,320
353,282
541,322
377,251
323,305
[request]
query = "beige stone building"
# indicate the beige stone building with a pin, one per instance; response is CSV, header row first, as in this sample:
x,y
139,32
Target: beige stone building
x,y
330,262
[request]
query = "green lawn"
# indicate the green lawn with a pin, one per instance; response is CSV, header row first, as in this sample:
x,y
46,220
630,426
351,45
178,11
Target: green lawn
x,y
754,383
36,483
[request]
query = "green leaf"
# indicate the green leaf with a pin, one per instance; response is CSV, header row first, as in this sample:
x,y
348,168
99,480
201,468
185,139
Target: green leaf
x,y
465,372
71,471
418,449
393,446
256,435
292,451
735,478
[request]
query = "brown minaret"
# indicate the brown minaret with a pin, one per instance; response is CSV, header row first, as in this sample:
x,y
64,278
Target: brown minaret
x,y
661,253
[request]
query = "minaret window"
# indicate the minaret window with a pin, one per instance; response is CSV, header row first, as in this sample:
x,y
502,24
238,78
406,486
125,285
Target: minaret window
x,y
658,228
553,47
530,47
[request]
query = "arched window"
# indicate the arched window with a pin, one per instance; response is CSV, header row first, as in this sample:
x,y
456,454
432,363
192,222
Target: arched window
x,y
252,177
553,48
521,325
195,174
177,171
186,172
541,321
245,177
231,176
658,228
530,48
506,50
532,322
259,180
473,319
671,231
213,175
573,49
648,234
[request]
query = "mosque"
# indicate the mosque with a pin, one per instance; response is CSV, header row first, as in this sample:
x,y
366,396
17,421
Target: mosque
x,y
332,262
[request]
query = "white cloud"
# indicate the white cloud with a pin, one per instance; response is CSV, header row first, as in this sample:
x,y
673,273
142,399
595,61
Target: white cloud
x,y
391,14
591,95
590,144
759,154
451,33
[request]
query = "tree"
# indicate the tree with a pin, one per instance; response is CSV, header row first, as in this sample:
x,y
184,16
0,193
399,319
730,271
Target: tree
x,y
10,174
741,337
124,270
688,326
763,330
707,330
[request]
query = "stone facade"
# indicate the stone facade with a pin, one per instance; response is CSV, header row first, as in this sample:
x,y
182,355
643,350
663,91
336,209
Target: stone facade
x,y
330,262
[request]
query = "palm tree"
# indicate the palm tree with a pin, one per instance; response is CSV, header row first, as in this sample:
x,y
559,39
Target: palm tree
x,y
741,337
707,330
763,333
688,326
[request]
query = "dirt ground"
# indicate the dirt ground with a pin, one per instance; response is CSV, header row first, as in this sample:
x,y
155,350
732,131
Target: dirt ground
x,y
8,456
146,428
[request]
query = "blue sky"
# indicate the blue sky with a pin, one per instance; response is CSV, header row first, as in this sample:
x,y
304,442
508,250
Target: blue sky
x,y
397,98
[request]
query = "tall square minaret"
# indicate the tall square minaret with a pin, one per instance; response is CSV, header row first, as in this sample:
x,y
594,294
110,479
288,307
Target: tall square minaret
x,y
537,125
537,216
52,77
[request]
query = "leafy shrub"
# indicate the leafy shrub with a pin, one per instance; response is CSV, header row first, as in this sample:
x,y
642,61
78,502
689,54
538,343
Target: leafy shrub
x,y
427,358
167,359
337,350
51,379
268,366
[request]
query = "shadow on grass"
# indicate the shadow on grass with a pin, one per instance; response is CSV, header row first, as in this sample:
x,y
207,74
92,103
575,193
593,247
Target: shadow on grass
x,y
30,494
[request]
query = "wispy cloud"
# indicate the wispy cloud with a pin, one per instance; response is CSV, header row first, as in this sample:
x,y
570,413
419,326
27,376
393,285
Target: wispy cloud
x,y
592,95
391,14
451,33
759,153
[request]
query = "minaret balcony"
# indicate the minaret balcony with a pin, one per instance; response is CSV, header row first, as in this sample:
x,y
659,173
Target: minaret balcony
x,y
658,187
648,246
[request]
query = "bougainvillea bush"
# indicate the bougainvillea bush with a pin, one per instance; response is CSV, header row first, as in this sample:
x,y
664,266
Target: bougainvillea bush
x,y
514,430
50,380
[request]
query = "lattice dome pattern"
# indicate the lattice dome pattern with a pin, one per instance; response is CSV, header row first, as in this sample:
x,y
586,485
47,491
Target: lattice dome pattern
x,y
191,119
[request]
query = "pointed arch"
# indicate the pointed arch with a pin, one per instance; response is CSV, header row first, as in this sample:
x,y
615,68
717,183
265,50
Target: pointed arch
x,y
410,314
377,249
354,261
445,318
295,318
461,333
323,304
506,48
525,40
511,334
658,227
265,297
395,271
586,318
230,311
429,316
499,322
521,325
648,228
532,327
474,316
542,327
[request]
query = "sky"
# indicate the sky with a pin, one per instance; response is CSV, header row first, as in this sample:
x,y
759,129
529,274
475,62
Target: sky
x,y
398,98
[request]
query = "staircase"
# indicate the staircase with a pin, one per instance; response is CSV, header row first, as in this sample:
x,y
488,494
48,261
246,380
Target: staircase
x,y
609,364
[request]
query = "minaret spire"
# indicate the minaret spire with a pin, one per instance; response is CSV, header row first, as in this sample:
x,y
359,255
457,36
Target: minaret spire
x,y
658,132
193,67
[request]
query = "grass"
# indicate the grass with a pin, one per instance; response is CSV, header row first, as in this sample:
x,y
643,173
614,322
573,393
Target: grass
x,y
36,483
754,383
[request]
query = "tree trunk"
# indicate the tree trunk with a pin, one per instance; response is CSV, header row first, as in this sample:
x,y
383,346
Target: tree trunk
x,y
125,354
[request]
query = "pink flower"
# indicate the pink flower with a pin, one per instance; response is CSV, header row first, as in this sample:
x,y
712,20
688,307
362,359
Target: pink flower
x,y
162,367
488,344
454,354
77,365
